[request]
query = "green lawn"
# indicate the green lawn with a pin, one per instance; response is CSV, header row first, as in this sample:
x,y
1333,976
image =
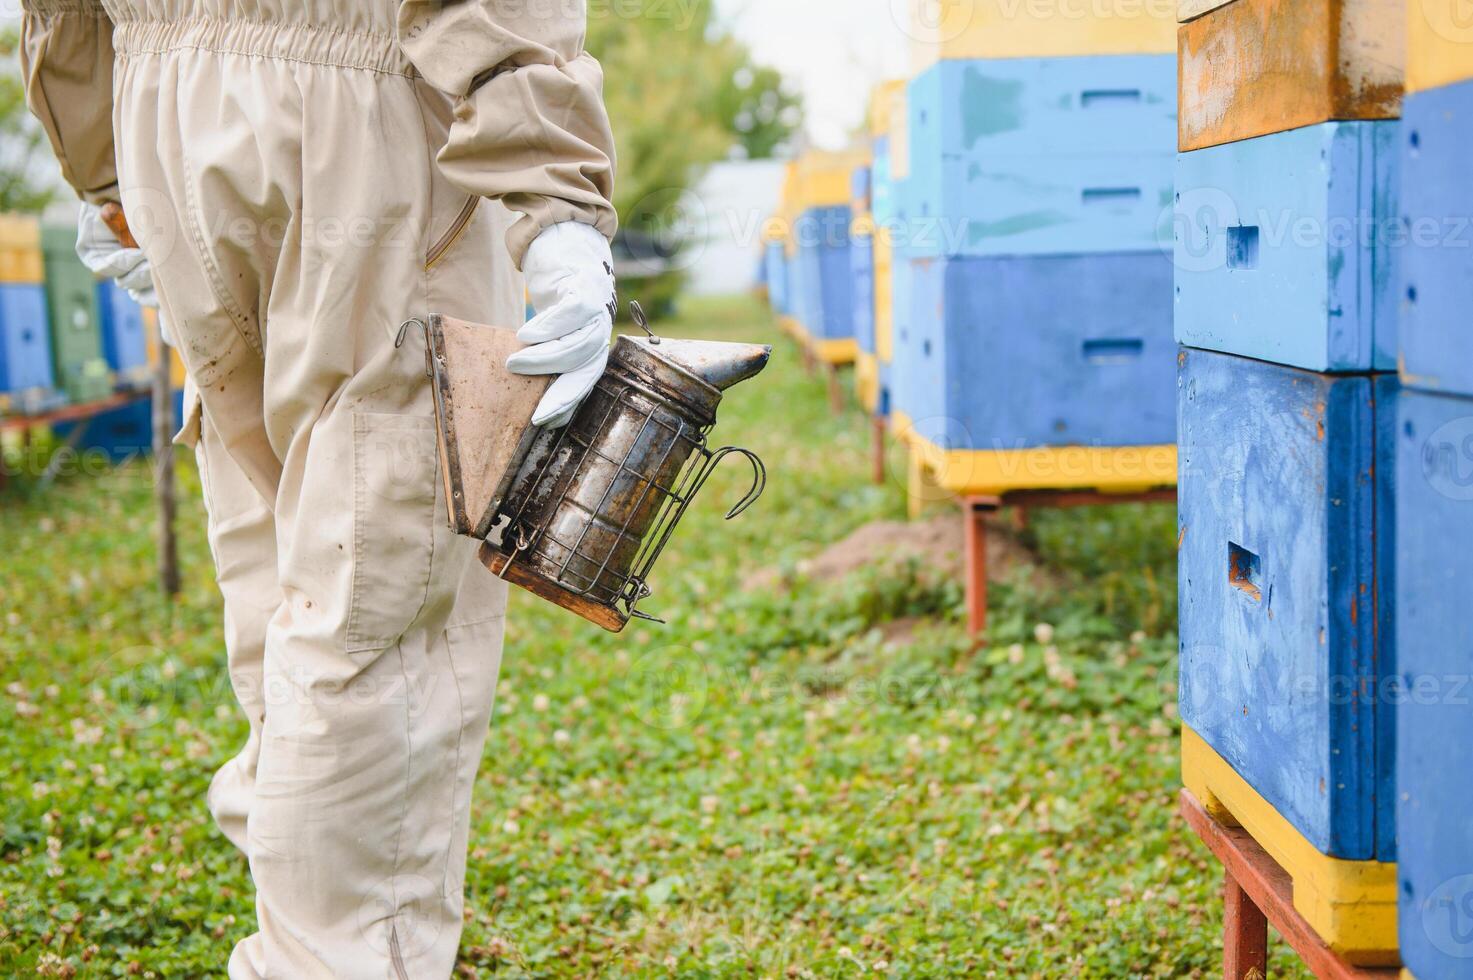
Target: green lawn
x,y
766,786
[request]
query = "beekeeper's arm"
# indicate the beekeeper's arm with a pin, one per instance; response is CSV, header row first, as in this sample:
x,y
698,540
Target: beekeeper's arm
x,y
66,58
530,130
67,61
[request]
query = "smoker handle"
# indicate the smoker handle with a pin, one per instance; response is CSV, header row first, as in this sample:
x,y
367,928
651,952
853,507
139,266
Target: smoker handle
x,y
759,476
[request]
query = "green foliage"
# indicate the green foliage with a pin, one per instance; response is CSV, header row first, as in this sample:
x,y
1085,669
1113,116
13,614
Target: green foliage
x,y
779,782
681,95
25,154
757,106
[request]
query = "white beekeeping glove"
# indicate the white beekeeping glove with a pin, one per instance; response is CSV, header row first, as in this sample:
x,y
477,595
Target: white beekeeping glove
x,y
100,251
570,279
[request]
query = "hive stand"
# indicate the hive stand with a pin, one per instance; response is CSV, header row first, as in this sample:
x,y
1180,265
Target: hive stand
x,y
1257,893
974,524
83,414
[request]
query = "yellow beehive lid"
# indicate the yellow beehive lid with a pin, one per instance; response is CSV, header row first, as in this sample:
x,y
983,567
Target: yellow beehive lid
x,y
20,249
1439,45
952,29
821,178
886,96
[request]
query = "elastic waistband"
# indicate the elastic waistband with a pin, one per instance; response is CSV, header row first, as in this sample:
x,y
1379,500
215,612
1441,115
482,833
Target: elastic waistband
x,y
329,47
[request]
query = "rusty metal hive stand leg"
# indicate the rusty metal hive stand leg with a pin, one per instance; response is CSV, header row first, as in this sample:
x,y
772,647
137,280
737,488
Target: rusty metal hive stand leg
x,y
1259,894
974,528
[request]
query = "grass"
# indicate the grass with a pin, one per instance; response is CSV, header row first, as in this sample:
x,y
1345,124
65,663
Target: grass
x,y
764,787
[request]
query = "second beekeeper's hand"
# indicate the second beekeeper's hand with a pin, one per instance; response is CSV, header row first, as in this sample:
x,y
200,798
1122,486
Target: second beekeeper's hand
x,y
100,251
570,279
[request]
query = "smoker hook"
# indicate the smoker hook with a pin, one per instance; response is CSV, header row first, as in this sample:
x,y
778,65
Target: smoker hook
x,y
759,477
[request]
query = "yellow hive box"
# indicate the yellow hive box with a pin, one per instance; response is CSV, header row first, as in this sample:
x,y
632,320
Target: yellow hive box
x,y
782,219
867,381
150,336
882,106
1255,67
822,179
943,30
1351,905
20,250
1439,43
884,297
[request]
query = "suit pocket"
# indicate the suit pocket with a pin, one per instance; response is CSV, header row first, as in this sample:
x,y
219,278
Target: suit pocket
x,y
394,486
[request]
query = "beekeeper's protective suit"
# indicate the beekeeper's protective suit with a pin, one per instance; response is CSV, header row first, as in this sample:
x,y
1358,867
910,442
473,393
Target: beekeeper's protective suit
x,y
304,176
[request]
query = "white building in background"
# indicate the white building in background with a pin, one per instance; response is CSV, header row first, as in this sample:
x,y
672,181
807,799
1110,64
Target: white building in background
x,y
725,212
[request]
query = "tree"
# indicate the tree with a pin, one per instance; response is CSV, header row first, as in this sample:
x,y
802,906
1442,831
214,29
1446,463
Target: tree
x,y
757,107
681,95
27,170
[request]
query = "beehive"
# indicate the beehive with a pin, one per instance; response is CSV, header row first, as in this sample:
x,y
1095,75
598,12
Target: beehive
x,y
76,320
820,291
124,335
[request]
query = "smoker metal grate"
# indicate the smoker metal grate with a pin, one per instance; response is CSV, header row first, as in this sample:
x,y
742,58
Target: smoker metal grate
x,y
589,564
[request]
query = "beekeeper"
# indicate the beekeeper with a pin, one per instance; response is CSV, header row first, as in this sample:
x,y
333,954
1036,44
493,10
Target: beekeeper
x,y
302,179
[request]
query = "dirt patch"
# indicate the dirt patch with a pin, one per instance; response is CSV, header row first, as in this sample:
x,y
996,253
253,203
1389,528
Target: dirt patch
x,y
936,543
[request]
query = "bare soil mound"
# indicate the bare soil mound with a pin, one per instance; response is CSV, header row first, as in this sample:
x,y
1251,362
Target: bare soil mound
x,y
936,543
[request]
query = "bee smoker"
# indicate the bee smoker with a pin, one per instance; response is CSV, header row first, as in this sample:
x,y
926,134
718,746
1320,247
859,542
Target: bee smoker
x,y
583,511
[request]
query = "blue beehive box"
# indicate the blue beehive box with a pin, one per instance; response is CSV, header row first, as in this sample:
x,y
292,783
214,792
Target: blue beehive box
x,y
859,190
124,335
822,296
1437,261
862,273
776,261
902,275
1037,156
1434,530
881,183
119,434
26,375
122,433
1028,351
1284,247
1287,553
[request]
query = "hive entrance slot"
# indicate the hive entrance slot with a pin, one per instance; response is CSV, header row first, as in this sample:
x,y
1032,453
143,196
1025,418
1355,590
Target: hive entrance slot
x,y
1114,350
1100,98
1111,195
1242,247
1245,571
